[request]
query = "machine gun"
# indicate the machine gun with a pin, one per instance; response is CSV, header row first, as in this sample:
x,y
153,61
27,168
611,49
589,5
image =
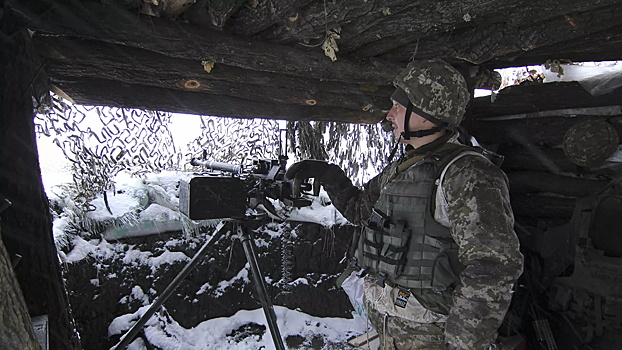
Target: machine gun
x,y
229,192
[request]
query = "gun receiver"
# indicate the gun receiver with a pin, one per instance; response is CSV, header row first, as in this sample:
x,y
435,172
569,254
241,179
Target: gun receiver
x,y
229,193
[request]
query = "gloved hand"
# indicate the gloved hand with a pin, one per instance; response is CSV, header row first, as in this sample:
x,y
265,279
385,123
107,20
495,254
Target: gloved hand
x,y
331,176
307,169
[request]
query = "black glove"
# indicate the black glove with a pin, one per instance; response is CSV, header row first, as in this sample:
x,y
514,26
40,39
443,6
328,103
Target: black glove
x,y
307,169
331,176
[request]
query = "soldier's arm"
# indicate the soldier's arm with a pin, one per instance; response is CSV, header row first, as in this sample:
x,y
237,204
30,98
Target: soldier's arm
x,y
353,202
481,222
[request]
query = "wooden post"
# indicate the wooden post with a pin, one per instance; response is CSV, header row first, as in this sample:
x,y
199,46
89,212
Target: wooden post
x,y
27,223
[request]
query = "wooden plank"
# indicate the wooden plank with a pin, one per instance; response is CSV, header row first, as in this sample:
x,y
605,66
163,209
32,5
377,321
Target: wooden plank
x,y
364,340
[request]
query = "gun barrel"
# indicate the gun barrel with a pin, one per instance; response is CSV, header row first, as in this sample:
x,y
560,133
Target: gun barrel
x,y
231,168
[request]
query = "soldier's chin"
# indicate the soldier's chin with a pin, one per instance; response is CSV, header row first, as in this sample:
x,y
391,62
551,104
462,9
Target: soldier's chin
x,y
397,136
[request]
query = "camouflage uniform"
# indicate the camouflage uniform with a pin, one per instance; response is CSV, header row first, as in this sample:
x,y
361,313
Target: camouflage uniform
x,y
473,201
464,220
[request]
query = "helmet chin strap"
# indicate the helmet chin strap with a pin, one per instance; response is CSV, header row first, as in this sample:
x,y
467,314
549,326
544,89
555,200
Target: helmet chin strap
x,y
407,134
397,144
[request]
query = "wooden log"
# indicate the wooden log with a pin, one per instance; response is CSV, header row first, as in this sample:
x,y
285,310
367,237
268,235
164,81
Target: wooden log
x,y
221,10
116,25
398,31
107,93
603,45
513,42
544,131
522,182
70,59
27,223
16,332
553,161
533,98
251,20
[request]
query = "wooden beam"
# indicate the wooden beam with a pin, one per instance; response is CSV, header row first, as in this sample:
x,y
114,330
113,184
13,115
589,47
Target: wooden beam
x,y
250,20
506,43
533,98
27,223
70,59
475,31
175,39
221,10
544,131
110,93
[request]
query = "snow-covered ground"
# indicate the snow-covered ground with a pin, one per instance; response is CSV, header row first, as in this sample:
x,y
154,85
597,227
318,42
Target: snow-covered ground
x,y
153,200
213,334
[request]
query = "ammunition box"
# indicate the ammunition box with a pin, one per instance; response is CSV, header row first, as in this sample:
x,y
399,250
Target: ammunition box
x,y
213,197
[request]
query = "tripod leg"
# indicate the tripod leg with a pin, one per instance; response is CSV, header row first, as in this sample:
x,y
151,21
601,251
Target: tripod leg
x,y
221,229
260,284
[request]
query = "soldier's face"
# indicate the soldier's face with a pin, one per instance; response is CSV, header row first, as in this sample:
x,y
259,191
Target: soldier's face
x,y
396,116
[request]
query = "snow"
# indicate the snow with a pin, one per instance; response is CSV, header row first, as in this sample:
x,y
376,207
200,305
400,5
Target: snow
x,y
119,205
151,203
213,334
164,332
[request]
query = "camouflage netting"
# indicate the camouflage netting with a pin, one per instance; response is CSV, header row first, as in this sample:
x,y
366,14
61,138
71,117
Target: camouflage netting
x,y
360,150
102,141
234,140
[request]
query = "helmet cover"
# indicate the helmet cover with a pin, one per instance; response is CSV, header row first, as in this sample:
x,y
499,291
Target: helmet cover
x,y
436,89
590,142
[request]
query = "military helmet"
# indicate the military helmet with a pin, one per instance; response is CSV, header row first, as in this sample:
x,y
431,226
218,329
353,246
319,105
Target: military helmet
x,y
436,89
590,142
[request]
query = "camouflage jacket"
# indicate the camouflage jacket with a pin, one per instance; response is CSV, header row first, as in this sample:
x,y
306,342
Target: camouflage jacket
x,y
478,213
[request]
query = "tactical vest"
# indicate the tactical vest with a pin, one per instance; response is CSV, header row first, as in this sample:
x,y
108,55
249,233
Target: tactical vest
x,y
403,244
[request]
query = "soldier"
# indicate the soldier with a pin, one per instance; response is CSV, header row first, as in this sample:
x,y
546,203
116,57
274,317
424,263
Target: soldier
x,y
437,242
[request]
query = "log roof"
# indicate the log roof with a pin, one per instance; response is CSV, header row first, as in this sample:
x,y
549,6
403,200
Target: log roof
x,y
266,58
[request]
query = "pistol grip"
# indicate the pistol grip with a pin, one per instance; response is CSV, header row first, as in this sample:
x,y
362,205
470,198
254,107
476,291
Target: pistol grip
x,y
296,187
316,187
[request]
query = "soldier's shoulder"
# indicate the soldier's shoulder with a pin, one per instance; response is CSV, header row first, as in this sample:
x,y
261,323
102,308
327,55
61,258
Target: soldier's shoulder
x,y
472,164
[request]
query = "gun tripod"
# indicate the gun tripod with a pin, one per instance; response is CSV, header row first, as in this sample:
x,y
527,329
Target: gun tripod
x,y
243,233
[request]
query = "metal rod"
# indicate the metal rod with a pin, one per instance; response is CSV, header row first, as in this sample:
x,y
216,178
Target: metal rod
x,y
211,165
260,284
138,326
